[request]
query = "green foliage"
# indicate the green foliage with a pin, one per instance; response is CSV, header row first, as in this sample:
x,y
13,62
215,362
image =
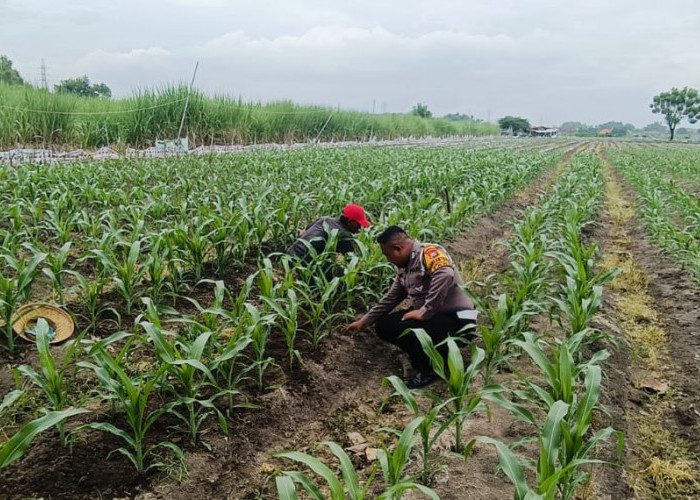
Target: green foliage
x,y
81,87
133,396
16,278
421,110
39,117
514,124
8,74
676,104
19,443
350,484
53,380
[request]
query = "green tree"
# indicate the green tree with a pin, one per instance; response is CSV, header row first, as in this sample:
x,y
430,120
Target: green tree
x,y
8,74
81,87
421,110
459,117
676,104
514,124
654,127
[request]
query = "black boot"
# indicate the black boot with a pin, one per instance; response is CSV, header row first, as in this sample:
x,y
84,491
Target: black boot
x,y
422,378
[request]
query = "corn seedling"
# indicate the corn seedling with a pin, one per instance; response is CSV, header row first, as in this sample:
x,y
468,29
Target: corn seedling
x,y
89,294
430,428
287,311
393,464
561,372
349,487
258,327
15,287
459,379
18,444
52,380
133,396
188,378
56,268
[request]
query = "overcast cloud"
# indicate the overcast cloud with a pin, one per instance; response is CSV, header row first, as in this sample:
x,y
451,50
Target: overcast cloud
x,y
546,60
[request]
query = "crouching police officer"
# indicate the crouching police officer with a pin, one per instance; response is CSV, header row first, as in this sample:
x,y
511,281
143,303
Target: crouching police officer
x,y
429,278
316,235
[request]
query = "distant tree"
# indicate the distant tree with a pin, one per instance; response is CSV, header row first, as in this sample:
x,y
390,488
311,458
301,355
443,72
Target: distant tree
x,y
421,110
514,124
655,127
8,74
572,126
676,104
458,117
81,87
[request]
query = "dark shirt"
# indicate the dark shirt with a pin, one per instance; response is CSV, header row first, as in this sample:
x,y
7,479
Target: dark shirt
x,y
315,234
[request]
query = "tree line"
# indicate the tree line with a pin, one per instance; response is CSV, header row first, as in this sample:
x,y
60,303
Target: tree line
x,y
79,86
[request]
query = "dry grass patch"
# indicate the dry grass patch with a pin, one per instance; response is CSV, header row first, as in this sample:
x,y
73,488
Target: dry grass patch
x,y
649,340
472,269
621,210
666,467
636,308
632,279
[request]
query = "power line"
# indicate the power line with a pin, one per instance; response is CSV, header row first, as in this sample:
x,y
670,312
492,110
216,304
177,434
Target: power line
x,y
46,111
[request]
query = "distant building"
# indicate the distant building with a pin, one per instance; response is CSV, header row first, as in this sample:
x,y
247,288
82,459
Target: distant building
x,y
544,131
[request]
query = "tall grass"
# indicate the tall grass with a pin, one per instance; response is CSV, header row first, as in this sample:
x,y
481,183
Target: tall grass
x,y
35,117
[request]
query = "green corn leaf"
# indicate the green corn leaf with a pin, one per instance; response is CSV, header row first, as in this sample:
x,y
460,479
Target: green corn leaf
x,y
319,468
285,488
19,442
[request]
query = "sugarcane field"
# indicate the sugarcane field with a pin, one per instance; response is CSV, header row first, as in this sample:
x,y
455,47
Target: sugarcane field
x,y
349,251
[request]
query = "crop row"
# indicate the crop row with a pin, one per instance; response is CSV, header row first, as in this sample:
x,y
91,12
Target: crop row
x,y
672,215
554,271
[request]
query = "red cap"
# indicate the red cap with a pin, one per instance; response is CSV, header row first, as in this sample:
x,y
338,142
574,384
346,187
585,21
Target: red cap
x,y
356,213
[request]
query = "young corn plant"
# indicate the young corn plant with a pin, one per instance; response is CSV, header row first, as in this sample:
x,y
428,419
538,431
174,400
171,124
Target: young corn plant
x,y
580,297
318,320
258,329
564,449
15,286
18,444
157,270
459,379
188,378
210,317
220,235
89,295
133,396
349,487
560,373
56,268
127,271
286,311
431,427
194,244
52,380
229,369
394,463
503,321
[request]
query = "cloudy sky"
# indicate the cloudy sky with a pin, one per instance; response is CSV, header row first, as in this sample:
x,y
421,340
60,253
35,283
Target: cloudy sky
x,y
549,61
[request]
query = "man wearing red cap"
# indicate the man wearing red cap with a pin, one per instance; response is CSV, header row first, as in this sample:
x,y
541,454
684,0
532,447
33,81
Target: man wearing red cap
x,y
316,234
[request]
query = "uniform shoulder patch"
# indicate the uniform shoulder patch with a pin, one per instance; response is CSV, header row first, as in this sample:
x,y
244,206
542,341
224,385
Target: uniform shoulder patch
x,y
435,258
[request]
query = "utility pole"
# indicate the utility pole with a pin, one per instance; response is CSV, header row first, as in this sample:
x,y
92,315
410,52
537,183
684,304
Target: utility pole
x,y
44,81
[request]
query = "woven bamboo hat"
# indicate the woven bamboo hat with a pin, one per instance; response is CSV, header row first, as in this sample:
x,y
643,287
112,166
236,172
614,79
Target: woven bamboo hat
x,y
25,319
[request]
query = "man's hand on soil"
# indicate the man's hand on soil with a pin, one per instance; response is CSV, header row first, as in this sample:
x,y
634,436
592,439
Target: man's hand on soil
x,y
354,327
414,314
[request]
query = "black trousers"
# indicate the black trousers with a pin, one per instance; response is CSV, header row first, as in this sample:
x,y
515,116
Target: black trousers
x,y
390,327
